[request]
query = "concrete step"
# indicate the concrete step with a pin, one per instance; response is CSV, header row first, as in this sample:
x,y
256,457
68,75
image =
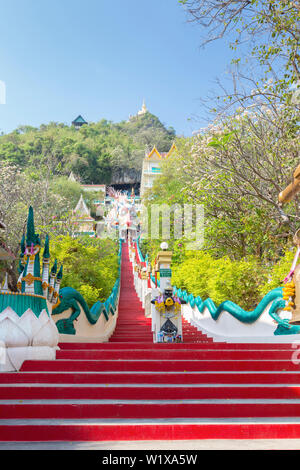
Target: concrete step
x,y
179,346
125,434
160,365
32,391
148,409
152,378
181,354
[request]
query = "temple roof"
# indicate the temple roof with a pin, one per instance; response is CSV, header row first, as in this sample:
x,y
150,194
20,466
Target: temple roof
x,y
79,120
172,149
156,154
82,210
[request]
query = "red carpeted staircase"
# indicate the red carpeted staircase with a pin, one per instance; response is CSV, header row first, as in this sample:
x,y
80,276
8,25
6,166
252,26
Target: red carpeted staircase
x,y
132,389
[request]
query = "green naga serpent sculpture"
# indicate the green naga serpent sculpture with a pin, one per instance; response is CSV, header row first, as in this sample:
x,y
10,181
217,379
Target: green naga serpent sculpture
x,y
248,317
237,312
71,298
230,307
283,328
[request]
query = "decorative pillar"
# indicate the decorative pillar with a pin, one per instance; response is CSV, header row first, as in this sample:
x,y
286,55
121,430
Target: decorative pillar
x,y
144,283
166,319
163,265
46,262
57,285
52,281
26,327
148,291
31,280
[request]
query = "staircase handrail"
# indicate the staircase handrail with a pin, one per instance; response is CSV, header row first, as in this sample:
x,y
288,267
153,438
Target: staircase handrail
x,y
69,298
228,306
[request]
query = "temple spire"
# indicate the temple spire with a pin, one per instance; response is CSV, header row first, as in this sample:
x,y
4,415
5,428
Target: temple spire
x,y
22,245
52,280
144,109
46,254
46,261
57,285
30,238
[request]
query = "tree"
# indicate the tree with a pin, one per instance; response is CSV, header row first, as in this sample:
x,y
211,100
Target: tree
x,y
93,152
18,191
90,265
271,28
236,168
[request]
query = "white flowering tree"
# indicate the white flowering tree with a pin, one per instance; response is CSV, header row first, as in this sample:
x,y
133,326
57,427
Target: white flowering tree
x,y
19,190
237,169
270,28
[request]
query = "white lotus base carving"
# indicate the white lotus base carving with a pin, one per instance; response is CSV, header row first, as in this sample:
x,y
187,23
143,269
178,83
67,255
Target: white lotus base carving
x,y
26,338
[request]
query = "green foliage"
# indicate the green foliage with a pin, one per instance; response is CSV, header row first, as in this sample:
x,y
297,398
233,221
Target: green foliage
x,y
221,141
35,164
235,169
90,293
93,152
147,131
71,191
90,265
279,271
220,279
270,28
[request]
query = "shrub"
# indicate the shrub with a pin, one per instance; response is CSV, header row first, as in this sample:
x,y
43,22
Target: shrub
x,y
89,265
90,294
221,279
279,271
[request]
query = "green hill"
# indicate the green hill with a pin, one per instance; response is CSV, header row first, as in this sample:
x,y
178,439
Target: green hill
x,y
93,152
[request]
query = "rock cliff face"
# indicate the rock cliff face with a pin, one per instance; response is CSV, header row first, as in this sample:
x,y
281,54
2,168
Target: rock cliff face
x,y
129,176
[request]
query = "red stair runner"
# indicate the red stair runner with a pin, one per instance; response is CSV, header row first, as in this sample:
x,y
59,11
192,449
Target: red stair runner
x,y
133,389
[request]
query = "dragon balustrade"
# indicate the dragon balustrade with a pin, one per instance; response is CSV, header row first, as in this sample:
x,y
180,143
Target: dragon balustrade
x,y
27,330
276,318
40,314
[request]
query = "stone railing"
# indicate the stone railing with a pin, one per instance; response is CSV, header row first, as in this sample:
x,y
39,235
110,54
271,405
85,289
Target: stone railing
x,y
76,322
227,322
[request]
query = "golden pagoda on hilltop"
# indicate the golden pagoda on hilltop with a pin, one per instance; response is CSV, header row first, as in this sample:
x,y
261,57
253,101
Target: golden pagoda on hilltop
x,y
144,109
141,112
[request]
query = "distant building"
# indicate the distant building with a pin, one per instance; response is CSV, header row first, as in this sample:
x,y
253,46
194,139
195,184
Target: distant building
x,y
141,112
99,201
152,167
99,188
72,177
78,122
85,224
144,110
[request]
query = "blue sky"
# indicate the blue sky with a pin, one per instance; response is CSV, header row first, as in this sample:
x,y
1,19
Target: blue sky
x,y
99,58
